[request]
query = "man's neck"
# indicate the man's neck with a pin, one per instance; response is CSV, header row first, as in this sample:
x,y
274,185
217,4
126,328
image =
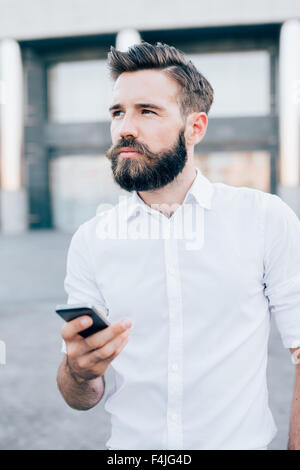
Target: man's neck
x,y
168,198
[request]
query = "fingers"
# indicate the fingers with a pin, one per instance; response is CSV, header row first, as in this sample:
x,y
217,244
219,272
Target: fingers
x,y
108,352
99,339
94,353
77,348
71,329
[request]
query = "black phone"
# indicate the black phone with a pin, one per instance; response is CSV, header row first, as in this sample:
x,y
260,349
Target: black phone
x,y
69,312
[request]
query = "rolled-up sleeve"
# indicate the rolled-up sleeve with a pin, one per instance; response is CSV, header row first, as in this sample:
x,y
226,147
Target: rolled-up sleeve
x,y
80,283
282,268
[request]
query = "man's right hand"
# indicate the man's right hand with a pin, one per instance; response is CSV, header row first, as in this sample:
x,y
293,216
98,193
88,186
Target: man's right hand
x,y
88,358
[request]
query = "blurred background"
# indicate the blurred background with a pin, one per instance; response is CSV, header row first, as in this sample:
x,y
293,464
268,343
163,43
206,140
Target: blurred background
x,y
54,131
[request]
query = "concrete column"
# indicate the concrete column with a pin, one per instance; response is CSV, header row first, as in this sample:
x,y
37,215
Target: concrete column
x,y
289,114
126,38
13,206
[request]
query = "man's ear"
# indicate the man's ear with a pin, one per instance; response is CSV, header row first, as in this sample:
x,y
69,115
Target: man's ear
x,y
196,125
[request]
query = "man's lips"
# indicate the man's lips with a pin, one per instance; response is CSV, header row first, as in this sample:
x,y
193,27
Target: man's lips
x,y
127,152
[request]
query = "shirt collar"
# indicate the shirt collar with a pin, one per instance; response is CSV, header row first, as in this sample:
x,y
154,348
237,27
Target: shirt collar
x,y
201,190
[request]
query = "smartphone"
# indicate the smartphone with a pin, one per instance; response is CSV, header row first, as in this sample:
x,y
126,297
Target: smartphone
x,y
69,312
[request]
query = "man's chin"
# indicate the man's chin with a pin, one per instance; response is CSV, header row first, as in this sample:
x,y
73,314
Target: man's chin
x,y
136,184
130,184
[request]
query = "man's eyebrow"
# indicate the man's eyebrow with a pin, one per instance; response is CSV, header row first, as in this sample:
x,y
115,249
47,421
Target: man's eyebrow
x,y
150,105
139,105
115,106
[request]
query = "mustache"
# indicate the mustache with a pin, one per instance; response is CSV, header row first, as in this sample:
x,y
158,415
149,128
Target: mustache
x,y
114,150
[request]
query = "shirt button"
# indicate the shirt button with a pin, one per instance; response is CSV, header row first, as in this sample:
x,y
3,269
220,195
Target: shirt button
x,y
174,367
174,416
171,271
174,314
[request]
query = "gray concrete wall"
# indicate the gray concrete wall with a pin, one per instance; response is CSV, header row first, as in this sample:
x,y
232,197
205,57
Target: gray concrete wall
x,y
33,19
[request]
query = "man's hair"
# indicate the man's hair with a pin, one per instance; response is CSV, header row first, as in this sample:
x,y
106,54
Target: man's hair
x,y
196,93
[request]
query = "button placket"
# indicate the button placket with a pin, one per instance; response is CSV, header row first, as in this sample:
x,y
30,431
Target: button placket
x,y
175,349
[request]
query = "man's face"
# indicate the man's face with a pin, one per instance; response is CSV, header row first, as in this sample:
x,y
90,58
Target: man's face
x,y
148,147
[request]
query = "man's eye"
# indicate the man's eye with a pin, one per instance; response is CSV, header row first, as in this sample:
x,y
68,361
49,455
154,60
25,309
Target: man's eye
x,y
148,111
116,113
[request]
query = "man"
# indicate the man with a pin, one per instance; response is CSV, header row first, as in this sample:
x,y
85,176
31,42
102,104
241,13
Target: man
x,y
189,309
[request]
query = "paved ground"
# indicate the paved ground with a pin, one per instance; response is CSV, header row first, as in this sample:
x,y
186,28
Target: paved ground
x,y
32,413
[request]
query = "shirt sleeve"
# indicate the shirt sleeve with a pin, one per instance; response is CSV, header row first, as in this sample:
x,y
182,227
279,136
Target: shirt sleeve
x,y
282,268
80,283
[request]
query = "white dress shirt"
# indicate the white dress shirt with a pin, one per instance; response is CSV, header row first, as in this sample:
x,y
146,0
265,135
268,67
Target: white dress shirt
x,y
199,287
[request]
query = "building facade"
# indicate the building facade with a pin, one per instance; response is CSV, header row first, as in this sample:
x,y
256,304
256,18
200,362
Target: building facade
x,y
55,92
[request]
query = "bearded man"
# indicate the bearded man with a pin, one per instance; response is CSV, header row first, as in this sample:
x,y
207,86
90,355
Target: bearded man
x,y
188,339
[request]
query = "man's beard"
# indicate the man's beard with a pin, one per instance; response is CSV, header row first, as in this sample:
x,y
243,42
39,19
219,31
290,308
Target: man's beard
x,y
148,171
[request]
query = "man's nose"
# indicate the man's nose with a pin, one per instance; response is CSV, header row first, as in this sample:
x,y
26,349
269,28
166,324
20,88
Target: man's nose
x,y
128,128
